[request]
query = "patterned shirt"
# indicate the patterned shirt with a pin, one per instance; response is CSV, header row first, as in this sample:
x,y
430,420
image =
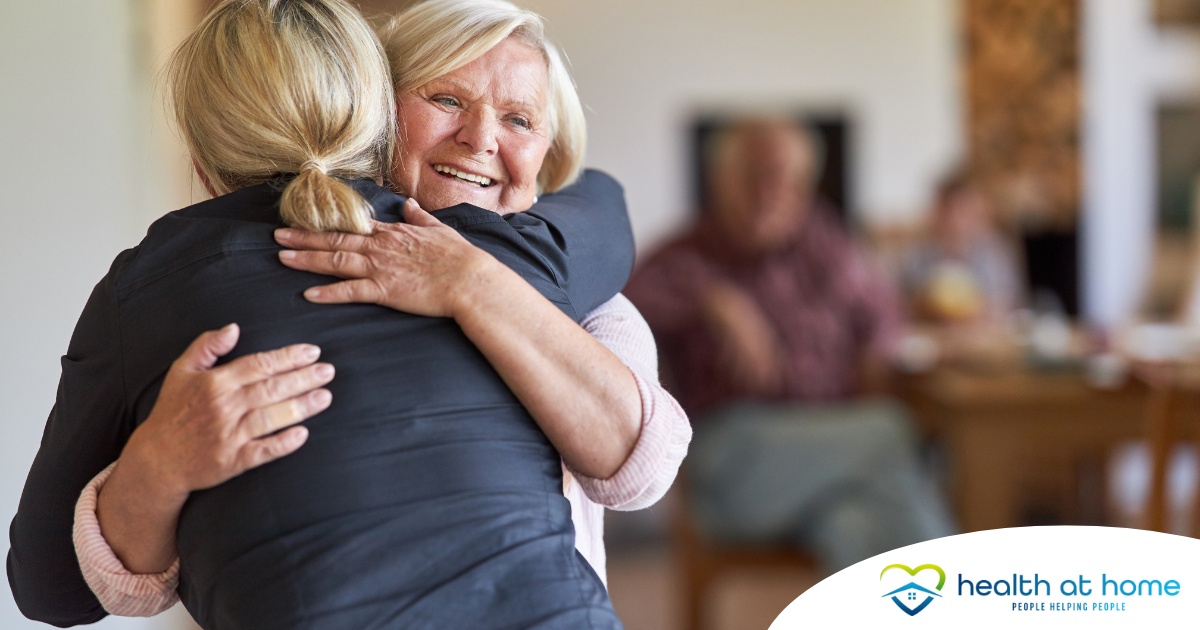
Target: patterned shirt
x,y
828,307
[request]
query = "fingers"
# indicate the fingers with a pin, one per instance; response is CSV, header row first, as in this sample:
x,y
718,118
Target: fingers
x,y
340,264
260,365
267,420
320,241
415,215
361,291
203,353
281,387
258,452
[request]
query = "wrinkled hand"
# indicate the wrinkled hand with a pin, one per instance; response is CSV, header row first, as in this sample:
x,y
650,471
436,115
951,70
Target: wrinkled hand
x,y
421,266
747,345
211,424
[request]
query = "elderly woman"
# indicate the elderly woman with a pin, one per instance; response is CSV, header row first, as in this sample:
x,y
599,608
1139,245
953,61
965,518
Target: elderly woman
x,y
483,154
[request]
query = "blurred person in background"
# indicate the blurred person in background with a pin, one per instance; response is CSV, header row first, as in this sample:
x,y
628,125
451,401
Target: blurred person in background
x,y
774,329
962,271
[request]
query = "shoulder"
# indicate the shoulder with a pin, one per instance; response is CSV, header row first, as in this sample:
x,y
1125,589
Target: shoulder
x,y
683,260
598,181
590,182
387,204
595,200
241,221
824,223
825,237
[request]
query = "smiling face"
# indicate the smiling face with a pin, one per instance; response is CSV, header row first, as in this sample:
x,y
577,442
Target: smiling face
x,y
478,134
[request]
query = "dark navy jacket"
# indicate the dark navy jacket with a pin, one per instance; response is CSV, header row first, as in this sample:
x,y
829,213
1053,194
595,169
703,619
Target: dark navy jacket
x,y
425,497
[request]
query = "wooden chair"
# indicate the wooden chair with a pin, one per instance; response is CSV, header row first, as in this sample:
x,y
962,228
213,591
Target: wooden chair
x,y
702,561
1170,411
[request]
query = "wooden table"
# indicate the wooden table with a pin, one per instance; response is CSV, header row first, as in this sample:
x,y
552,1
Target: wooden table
x,y
1013,437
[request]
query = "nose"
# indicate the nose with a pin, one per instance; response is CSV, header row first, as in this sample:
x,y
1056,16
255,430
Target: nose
x,y
480,132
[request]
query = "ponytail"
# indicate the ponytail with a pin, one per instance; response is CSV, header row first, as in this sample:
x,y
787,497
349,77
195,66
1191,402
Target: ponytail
x,y
315,201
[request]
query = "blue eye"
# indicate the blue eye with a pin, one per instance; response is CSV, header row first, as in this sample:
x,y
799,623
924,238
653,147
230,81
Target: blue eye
x,y
448,101
521,122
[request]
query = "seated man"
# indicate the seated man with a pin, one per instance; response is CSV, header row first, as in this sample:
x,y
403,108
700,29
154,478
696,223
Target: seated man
x,y
773,327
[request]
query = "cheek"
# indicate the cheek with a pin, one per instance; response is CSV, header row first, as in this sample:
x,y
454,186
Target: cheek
x,y
417,137
524,160
415,142
422,128
405,172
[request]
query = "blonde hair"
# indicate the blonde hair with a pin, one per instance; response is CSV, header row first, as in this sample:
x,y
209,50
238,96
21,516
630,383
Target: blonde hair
x,y
270,87
434,38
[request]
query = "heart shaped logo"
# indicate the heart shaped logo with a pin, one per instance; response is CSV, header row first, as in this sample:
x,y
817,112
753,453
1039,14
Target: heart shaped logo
x,y
913,597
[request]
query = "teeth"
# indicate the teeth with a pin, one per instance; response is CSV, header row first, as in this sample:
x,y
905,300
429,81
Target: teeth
x,y
470,177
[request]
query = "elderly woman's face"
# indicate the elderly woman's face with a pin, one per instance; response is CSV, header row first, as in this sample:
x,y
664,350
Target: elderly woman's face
x,y
479,134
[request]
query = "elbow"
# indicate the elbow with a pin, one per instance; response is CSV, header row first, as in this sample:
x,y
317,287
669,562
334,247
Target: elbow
x,y
47,605
601,467
602,462
624,442
601,452
53,613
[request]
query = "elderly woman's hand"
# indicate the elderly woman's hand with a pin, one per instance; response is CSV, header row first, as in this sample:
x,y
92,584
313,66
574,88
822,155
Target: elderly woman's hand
x,y
421,267
208,425
425,268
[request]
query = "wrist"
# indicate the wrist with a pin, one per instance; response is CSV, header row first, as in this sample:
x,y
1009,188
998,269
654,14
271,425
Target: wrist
x,y
139,474
137,524
478,281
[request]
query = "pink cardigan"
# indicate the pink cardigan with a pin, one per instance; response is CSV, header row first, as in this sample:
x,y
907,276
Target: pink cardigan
x,y
642,480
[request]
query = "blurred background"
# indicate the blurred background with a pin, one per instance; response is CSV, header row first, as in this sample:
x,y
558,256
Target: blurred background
x,y
1076,121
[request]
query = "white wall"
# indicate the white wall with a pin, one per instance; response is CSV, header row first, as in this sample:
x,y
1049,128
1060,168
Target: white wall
x,y
1129,67
1118,157
644,68
71,139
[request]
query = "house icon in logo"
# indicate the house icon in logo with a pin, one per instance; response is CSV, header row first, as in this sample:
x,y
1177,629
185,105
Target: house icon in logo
x,y
912,593
912,598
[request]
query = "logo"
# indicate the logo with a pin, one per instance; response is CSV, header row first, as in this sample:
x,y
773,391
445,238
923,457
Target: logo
x,y
907,596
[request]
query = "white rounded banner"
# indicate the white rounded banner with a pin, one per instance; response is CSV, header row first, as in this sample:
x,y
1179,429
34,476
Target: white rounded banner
x,y
1026,577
